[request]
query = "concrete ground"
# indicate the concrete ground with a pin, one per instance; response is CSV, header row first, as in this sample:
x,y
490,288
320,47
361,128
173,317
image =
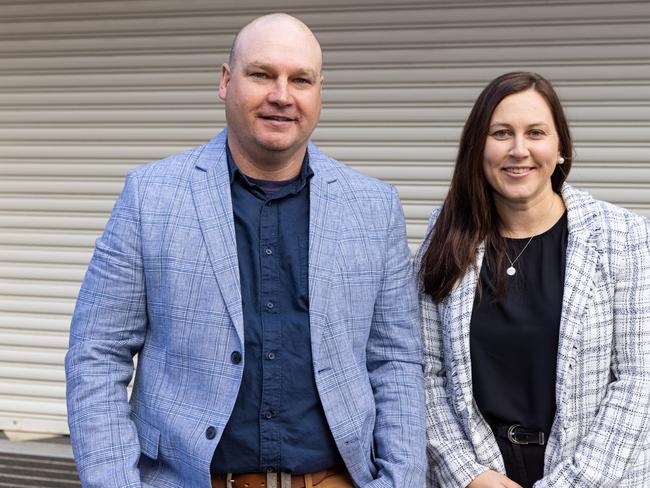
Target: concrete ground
x,y
37,464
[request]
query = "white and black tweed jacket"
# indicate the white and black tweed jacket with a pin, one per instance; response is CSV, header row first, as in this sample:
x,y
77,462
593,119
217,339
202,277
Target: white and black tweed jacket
x,y
600,436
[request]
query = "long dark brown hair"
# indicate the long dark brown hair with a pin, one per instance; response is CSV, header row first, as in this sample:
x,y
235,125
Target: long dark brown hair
x,y
468,215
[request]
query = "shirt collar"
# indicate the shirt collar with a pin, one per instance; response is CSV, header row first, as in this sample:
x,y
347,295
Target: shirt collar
x,y
305,170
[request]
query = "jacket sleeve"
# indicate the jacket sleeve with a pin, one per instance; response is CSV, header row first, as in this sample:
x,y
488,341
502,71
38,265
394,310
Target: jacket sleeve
x,y
452,462
107,330
621,428
394,362
450,454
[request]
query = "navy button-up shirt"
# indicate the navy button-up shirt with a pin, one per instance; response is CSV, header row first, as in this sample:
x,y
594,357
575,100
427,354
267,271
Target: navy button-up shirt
x,y
278,423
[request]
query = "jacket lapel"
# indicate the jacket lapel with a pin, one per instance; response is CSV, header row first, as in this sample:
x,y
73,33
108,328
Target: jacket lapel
x,y
460,306
213,203
583,255
324,214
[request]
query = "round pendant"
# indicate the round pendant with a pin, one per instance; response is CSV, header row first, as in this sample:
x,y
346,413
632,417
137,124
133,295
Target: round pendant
x,y
511,271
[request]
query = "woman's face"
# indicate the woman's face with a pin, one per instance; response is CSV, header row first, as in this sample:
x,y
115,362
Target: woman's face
x,y
521,150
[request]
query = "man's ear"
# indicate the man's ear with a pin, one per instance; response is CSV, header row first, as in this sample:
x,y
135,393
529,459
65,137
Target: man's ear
x,y
225,79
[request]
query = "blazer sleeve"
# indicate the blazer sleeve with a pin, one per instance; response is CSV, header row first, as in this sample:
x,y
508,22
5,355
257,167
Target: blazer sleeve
x,y
394,363
107,330
621,428
452,462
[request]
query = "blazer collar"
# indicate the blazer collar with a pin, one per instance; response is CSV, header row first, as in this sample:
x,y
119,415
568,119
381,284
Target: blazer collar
x,y
213,203
583,258
583,212
212,156
324,222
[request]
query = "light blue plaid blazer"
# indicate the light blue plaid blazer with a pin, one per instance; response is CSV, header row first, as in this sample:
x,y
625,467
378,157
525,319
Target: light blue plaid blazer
x,y
163,283
599,438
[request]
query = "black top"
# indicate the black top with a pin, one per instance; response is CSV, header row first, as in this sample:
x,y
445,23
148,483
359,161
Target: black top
x,y
278,422
514,344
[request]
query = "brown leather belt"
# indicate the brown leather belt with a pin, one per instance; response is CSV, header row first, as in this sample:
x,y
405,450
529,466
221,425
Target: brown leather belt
x,y
259,480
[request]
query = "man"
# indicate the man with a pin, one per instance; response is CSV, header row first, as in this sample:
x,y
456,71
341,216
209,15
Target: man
x,y
267,292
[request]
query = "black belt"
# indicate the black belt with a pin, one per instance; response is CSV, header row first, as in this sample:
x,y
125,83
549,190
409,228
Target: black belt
x,y
519,435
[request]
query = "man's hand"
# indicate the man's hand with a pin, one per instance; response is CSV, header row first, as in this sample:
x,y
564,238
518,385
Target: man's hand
x,y
492,479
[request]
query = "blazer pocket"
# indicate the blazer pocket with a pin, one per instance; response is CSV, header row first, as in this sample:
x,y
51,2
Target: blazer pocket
x,y
148,436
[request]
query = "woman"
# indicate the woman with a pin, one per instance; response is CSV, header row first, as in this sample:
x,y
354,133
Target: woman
x,y
535,310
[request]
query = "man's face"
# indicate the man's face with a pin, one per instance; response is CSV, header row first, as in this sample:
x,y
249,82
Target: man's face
x,y
272,91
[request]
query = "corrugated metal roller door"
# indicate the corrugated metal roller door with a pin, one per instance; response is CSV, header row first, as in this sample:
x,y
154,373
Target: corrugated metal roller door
x,y
91,89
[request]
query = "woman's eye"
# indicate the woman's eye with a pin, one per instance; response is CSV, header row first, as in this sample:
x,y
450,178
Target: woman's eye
x,y
501,133
537,133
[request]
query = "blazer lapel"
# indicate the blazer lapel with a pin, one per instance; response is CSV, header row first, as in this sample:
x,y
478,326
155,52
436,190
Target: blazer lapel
x,y
213,203
461,301
324,215
461,305
582,258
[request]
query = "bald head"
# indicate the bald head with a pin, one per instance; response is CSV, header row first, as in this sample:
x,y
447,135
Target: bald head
x,y
272,90
273,26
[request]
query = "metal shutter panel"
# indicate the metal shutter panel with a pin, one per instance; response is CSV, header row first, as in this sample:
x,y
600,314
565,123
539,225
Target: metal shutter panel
x,y
91,89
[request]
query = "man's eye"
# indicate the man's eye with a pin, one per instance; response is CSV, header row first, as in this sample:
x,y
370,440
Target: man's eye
x,y
303,81
259,75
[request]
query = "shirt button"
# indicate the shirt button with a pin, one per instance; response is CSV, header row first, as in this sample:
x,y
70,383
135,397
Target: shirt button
x,y
268,415
268,251
210,433
235,357
269,305
271,356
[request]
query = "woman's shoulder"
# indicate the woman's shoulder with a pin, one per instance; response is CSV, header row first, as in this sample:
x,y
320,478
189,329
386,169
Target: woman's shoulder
x,y
586,211
426,238
433,217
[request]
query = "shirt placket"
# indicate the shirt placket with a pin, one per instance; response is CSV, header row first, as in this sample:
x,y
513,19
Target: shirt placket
x,y
270,299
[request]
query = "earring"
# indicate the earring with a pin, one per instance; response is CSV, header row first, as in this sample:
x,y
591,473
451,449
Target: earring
x,y
561,160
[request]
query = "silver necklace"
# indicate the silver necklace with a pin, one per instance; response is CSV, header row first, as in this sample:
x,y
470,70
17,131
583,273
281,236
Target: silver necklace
x,y
511,271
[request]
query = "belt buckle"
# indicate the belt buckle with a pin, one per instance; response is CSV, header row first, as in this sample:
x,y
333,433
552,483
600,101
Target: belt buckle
x,y
285,480
272,480
511,435
514,440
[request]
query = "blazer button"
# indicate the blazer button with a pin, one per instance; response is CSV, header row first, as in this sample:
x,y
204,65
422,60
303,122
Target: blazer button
x,y
235,357
210,433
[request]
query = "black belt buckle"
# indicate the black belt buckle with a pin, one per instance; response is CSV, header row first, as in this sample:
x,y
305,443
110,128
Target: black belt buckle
x,y
524,438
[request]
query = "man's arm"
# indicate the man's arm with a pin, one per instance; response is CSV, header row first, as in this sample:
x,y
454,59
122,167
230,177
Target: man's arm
x,y
394,361
107,330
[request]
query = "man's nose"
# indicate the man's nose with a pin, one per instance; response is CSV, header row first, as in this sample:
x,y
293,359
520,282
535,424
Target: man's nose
x,y
280,94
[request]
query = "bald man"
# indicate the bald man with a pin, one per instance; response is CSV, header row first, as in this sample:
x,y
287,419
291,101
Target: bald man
x,y
267,293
